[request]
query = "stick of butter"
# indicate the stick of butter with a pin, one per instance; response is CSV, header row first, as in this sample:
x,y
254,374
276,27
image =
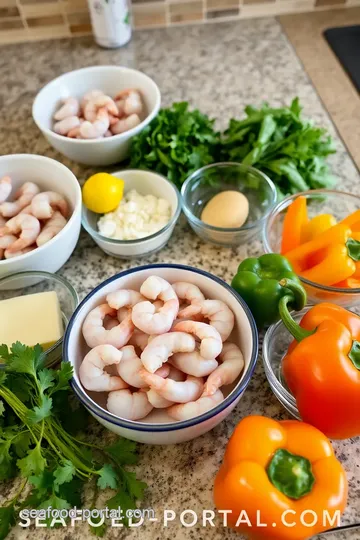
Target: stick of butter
x,y
31,319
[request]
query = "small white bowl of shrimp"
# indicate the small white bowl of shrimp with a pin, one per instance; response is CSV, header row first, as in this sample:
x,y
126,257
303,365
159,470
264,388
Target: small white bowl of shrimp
x,y
161,353
40,213
91,114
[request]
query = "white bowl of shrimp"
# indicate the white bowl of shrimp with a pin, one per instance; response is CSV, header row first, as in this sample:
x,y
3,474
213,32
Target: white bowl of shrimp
x,y
40,213
161,353
90,115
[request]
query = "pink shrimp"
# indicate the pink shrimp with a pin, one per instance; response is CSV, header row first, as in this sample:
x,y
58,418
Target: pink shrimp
x,y
125,124
185,411
92,94
70,107
178,392
128,404
5,242
92,369
11,255
130,101
5,188
23,198
96,129
230,368
43,205
160,348
51,228
64,126
28,227
211,344
95,334
94,105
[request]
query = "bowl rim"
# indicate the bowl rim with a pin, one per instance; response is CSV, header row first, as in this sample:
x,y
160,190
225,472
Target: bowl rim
x,y
173,426
279,206
45,275
114,241
223,164
76,209
106,140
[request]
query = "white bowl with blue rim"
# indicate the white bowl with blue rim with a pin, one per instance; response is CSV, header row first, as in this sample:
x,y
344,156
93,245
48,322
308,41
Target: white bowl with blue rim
x,y
157,427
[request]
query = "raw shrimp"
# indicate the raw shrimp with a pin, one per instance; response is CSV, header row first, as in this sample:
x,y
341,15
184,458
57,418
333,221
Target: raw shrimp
x,y
70,107
95,334
160,348
43,205
5,188
10,254
28,227
64,126
92,94
94,105
124,124
129,405
92,374
193,363
179,392
139,339
217,312
5,242
144,314
156,400
124,298
51,228
96,129
23,198
195,408
211,344
131,365
130,100
187,292
231,367
2,221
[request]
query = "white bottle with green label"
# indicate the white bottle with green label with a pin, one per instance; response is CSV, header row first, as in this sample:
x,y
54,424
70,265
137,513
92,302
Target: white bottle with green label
x,y
111,22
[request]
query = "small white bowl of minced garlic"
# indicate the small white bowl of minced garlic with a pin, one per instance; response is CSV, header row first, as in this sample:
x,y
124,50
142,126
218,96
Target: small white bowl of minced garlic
x,y
227,203
143,220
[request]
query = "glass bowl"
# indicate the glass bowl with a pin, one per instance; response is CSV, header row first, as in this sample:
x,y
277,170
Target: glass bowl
x,y
23,283
207,182
319,201
276,342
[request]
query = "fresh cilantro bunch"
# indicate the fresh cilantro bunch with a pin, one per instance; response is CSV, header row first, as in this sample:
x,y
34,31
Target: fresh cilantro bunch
x,y
286,147
38,420
176,143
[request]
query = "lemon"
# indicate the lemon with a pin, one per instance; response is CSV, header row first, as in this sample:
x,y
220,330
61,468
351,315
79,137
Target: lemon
x,y
102,193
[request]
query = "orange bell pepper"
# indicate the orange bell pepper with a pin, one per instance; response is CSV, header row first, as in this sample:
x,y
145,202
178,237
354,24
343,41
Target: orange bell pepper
x,y
352,219
273,473
294,222
322,367
339,234
335,266
349,283
316,226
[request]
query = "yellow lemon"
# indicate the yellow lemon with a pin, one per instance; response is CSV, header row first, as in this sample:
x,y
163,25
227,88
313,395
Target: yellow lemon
x,y
102,193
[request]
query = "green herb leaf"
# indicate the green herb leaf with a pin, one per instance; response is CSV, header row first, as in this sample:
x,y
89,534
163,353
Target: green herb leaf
x,y
2,407
7,466
62,377
55,502
46,378
122,500
107,477
134,487
123,452
43,482
33,462
37,414
7,520
21,443
64,473
4,352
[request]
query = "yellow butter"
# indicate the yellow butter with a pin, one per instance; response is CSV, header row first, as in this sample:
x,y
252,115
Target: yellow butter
x,y
31,319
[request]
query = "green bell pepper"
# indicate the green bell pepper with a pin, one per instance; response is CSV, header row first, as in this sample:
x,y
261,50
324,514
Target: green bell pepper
x,y
258,283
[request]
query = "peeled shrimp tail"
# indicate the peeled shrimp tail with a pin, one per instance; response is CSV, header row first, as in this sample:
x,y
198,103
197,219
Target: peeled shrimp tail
x,y
195,408
161,347
92,374
231,367
129,405
55,224
125,124
179,392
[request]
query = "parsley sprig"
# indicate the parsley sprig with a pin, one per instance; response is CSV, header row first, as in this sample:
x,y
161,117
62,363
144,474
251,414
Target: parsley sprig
x,y
39,419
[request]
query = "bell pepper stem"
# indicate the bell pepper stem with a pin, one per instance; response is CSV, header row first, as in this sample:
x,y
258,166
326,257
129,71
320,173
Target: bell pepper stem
x,y
298,292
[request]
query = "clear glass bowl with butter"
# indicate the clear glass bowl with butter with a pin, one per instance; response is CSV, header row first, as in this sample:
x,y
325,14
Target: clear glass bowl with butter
x,y
35,307
241,211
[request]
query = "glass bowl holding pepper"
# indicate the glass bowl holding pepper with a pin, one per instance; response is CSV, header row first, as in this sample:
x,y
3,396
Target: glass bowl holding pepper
x,y
319,233
318,378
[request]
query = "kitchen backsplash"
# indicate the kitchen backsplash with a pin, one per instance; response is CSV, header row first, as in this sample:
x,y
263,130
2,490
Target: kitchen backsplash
x,y
29,20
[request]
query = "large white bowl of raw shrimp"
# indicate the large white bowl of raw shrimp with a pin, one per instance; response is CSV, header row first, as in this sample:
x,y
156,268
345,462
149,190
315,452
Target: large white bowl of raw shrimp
x,y
40,213
161,353
90,115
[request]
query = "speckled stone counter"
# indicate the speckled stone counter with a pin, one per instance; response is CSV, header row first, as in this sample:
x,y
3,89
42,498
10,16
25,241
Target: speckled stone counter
x,y
219,68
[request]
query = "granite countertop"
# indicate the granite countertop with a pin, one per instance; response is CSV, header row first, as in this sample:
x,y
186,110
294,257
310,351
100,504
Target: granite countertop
x,y
218,68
